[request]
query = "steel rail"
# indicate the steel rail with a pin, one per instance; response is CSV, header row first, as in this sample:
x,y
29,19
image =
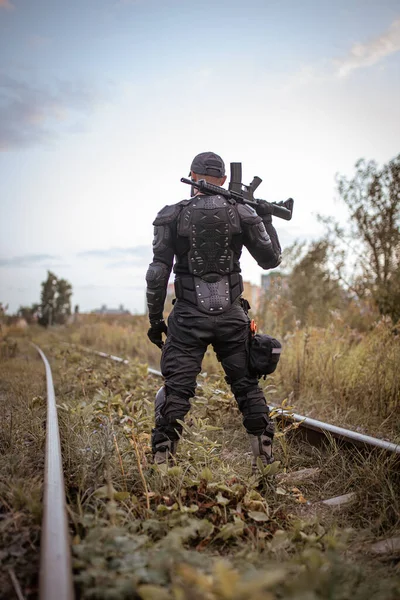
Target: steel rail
x,y
339,433
55,579
342,434
306,423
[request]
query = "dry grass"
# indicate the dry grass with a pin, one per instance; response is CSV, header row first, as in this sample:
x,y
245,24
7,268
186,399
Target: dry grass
x,y
344,377
337,374
200,531
206,529
22,433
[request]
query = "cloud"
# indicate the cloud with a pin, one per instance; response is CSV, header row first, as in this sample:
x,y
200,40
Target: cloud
x,y
6,4
305,76
370,53
32,114
123,256
29,260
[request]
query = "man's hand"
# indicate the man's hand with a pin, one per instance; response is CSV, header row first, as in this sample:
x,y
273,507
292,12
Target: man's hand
x,y
264,211
157,328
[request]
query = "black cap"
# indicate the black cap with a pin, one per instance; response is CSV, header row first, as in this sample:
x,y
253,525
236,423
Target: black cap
x,y
208,163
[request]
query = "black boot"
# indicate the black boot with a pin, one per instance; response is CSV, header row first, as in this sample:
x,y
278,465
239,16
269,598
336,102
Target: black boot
x,y
261,446
164,452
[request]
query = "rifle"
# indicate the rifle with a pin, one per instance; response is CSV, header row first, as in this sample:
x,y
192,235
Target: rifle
x,y
244,194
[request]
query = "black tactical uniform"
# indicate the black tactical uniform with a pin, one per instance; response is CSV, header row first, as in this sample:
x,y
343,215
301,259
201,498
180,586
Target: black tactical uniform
x,y
205,235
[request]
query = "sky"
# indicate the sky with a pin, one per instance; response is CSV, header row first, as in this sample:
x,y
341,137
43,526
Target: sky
x,y
104,104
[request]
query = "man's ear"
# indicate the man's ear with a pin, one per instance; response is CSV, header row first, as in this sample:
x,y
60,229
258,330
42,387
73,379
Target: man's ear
x,y
223,180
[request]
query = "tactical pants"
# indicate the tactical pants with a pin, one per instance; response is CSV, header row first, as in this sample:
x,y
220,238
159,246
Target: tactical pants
x,y
189,333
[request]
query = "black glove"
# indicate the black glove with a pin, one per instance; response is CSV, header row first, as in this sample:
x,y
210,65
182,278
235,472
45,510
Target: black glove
x,y
264,211
157,328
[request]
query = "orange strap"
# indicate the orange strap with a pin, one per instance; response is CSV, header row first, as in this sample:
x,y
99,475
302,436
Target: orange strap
x,y
253,327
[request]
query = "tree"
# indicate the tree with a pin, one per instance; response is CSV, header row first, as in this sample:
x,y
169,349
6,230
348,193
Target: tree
x,y
311,287
306,292
3,310
29,313
55,304
373,199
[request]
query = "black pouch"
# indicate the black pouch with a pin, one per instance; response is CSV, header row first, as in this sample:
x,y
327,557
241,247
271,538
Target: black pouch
x,y
245,304
265,352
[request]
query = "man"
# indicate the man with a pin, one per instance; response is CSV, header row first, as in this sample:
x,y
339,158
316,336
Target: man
x,y
205,235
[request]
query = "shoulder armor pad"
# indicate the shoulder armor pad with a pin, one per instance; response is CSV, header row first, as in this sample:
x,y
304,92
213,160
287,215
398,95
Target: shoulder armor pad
x,y
247,213
167,214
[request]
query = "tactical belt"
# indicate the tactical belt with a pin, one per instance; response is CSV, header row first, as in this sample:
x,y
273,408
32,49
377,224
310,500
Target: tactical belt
x,y
215,295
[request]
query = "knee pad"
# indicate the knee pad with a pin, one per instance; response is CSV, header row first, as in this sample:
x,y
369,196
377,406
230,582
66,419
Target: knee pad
x,y
256,413
242,386
169,407
252,402
159,402
259,425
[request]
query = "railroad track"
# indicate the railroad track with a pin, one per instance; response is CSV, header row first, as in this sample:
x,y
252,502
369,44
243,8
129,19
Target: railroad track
x,y
55,579
313,430
56,582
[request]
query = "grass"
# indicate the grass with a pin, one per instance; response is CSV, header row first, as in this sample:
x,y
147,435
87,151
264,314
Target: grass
x,y
22,434
204,529
336,374
344,377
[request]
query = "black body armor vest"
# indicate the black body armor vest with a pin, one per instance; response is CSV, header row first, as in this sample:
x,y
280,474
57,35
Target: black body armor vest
x,y
209,223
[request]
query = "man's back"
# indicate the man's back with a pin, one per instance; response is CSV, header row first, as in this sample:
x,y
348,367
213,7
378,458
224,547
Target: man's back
x,y
205,236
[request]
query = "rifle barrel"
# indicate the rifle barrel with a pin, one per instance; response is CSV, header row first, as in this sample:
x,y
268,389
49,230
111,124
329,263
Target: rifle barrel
x,y
278,210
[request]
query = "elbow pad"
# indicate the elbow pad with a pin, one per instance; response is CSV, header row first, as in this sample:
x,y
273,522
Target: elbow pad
x,y
275,242
253,226
258,241
157,280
